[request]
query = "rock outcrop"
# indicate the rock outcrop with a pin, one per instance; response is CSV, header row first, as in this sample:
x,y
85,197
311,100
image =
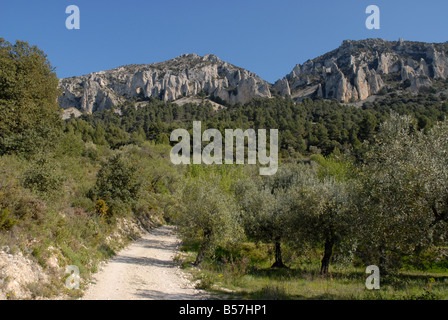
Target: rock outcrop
x,y
359,69
17,272
353,72
187,75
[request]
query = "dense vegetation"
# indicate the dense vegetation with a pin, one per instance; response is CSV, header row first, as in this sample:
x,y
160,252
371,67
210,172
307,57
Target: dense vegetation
x,y
355,187
313,126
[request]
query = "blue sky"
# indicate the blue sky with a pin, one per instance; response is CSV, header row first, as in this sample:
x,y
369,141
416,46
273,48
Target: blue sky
x,y
264,36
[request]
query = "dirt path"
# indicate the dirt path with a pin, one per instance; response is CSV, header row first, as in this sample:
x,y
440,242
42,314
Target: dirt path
x,y
144,271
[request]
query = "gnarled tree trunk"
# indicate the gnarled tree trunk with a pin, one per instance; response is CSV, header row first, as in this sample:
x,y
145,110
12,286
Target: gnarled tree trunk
x,y
278,255
383,260
328,252
204,247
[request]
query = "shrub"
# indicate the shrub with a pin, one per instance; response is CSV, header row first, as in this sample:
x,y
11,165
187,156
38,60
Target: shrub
x,y
43,176
117,183
236,267
101,208
205,282
27,207
91,151
6,220
383,91
70,145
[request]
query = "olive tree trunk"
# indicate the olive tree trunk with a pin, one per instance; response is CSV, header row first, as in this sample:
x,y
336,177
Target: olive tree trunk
x,y
278,255
328,252
204,248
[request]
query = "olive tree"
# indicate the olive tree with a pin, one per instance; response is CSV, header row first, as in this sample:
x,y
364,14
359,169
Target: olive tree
x,y
404,193
326,216
207,214
268,205
323,210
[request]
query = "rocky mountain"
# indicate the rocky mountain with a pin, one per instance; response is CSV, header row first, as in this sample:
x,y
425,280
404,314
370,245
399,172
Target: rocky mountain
x,y
187,75
353,72
359,69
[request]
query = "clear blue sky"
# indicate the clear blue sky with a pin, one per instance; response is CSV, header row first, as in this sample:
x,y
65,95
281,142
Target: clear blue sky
x,y
264,36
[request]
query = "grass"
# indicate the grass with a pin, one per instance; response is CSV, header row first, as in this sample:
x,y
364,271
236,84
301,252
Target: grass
x,y
239,279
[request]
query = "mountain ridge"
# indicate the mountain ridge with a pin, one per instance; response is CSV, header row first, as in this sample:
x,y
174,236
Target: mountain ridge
x,y
359,69
186,75
354,71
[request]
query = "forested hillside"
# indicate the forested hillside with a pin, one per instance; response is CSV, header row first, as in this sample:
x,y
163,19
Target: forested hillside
x,y
312,126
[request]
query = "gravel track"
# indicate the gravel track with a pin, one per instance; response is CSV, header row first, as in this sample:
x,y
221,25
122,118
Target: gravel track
x,y
145,270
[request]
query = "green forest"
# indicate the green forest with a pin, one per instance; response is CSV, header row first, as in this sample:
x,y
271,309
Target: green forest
x,y
356,186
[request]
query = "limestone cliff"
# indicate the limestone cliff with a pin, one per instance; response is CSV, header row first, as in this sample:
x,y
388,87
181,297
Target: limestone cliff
x,y
359,69
353,72
187,75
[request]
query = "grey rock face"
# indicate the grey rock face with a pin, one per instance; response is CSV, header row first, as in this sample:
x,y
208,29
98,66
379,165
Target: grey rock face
x,y
187,75
353,72
282,87
359,69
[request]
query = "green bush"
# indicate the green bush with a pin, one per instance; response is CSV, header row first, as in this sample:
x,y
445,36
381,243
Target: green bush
x,y
101,208
117,183
43,176
91,151
70,145
6,220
